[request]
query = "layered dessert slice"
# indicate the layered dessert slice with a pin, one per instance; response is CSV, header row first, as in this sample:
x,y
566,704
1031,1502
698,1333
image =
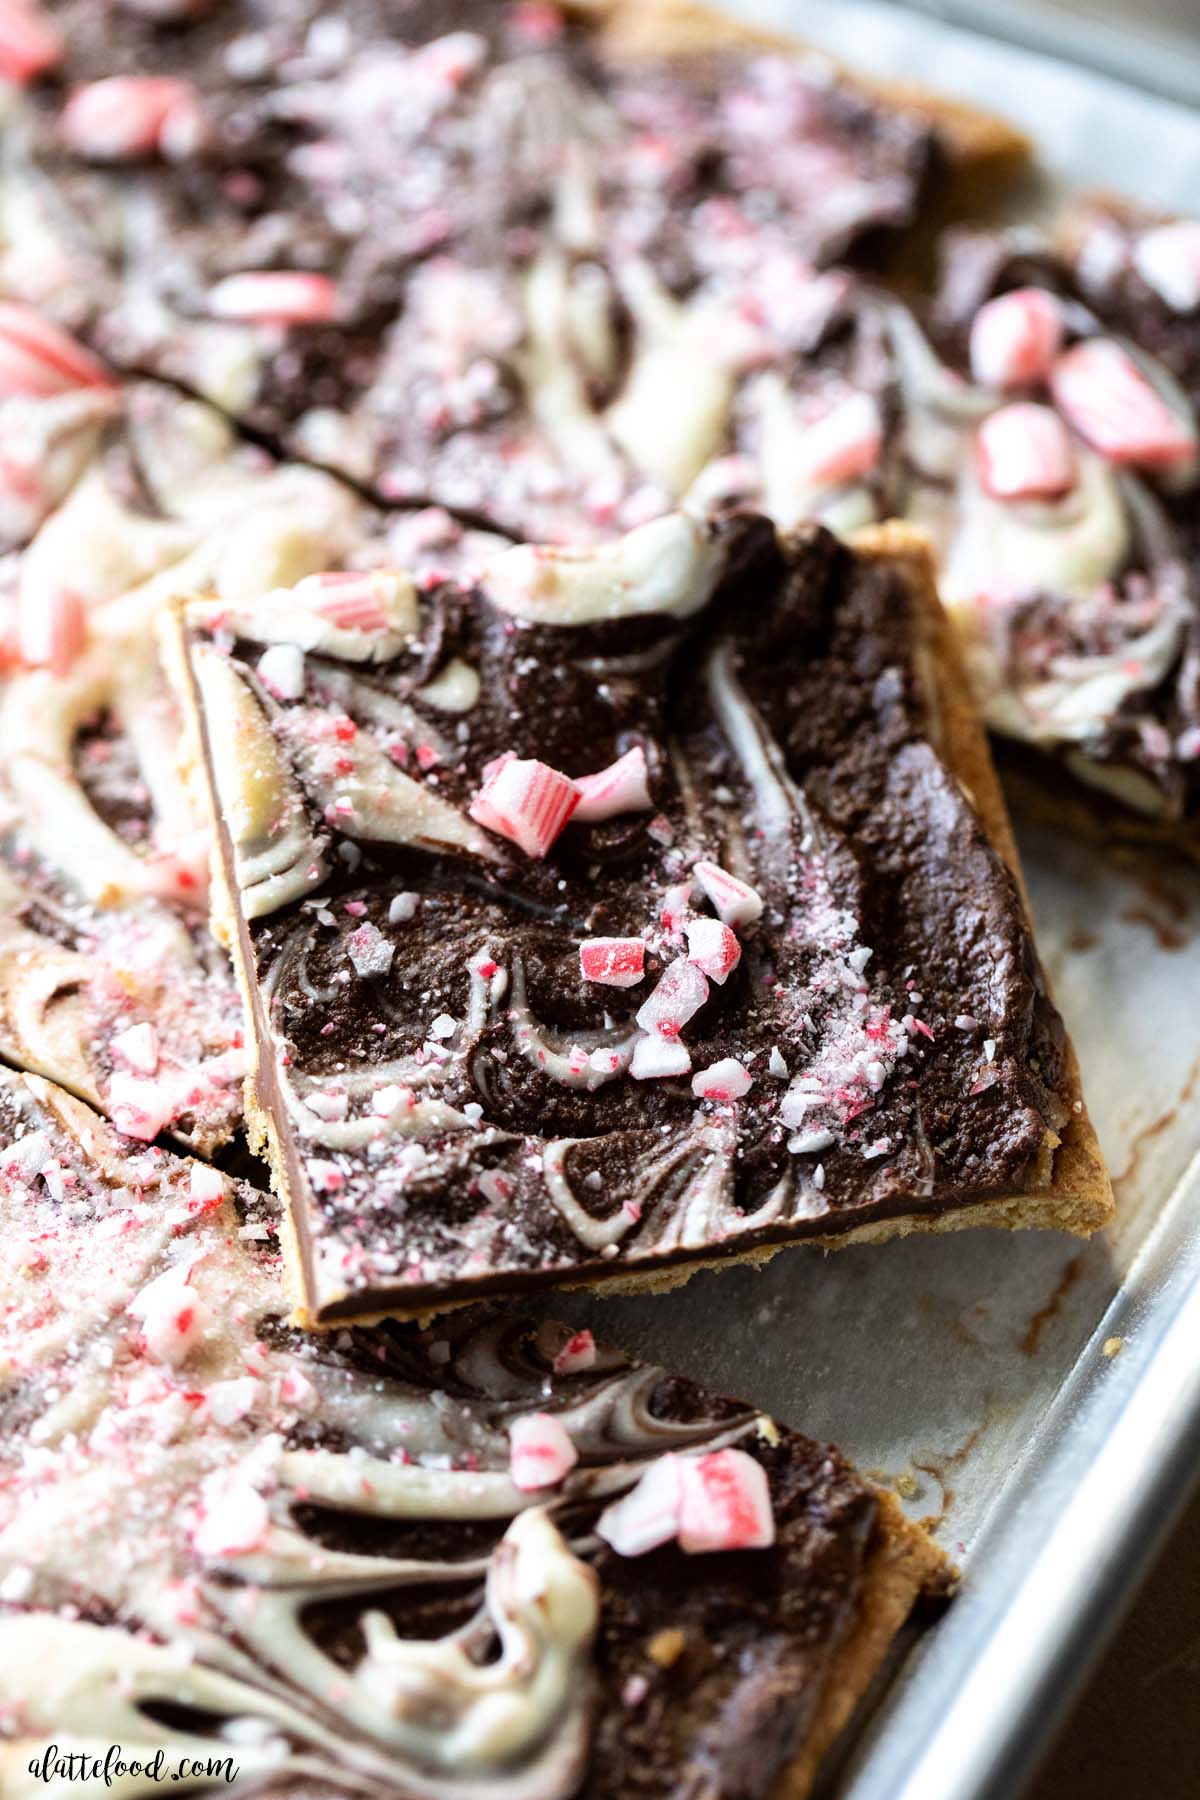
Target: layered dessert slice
x,y
632,909
495,1555
485,266
110,981
1066,510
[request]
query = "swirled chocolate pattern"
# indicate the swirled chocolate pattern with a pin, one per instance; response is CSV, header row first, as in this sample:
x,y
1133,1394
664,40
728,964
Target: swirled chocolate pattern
x,y
460,252
318,1561
457,1099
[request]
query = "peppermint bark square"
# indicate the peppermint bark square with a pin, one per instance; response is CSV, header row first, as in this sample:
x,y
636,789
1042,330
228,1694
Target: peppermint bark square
x,y
1068,525
622,913
495,1553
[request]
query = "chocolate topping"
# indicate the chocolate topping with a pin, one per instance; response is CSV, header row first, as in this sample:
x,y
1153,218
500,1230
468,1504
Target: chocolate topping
x,y
455,1106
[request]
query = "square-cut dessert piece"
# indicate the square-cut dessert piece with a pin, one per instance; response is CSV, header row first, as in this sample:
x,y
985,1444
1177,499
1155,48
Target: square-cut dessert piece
x,y
110,980
632,909
495,1555
464,264
1066,509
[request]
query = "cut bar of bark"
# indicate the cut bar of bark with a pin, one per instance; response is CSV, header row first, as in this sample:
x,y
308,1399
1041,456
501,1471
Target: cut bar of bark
x,y
1077,593
452,1109
321,1557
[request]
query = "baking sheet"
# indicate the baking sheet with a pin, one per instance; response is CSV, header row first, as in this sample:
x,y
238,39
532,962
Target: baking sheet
x,y
1038,1398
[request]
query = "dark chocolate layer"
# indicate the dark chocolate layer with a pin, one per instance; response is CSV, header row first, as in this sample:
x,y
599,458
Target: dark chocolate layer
x,y
887,1005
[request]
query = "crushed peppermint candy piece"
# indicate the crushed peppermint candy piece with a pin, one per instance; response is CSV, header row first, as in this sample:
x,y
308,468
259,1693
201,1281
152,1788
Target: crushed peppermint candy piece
x,y
281,671
206,1187
369,951
656,1058
137,1046
1167,257
229,1401
615,962
402,908
717,1502
275,297
233,1518
677,903
541,1451
385,1100
579,1352
725,1503
678,995
840,445
1114,407
1015,338
727,1079
713,948
735,902
128,116
172,1315
525,801
809,1143
648,1515
139,1105
621,788
39,360
357,599
1024,453
29,43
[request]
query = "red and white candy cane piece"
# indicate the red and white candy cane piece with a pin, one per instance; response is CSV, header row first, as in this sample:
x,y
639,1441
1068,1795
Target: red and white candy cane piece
x,y
29,43
39,360
233,1516
615,962
713,948
678,995
206,1187
842,444
1015,338
51,629
657,1058
172,1315
1024,452
1116,409
723,1080
540,1451
648,1515
735,902
137,1048
724,1503
353,599
127,116
677,902
578,1353
717,1502
1167,257
275,297
139,1105
621,788
525,801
